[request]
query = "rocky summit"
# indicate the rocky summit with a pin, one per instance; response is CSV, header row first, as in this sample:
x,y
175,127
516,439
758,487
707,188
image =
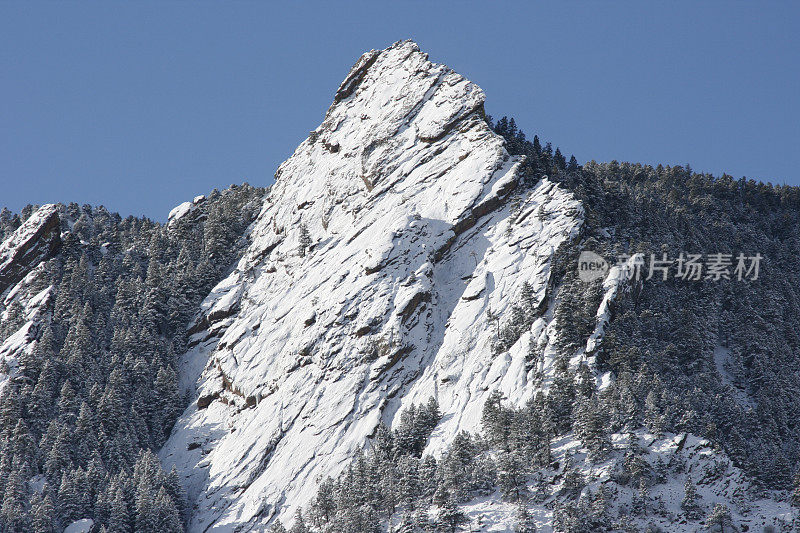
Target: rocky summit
x,y
401,195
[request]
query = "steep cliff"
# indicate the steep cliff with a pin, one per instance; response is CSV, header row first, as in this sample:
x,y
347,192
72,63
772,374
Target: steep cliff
x,y
38,238
379,250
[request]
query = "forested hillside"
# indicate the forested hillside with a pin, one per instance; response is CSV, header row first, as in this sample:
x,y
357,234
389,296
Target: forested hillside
x,y
714,351
718,359
85,406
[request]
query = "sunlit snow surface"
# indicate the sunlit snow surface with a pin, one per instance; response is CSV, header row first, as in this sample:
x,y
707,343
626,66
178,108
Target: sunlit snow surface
x,y
404,193
19,247
80,526
9,250
387,308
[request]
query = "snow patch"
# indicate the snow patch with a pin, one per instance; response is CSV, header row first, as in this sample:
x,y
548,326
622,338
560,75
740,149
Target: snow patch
x,y
722,358
83,525
180,211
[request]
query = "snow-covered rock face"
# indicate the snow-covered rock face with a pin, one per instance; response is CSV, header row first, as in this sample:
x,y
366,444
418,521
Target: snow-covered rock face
x,y
34,307
184,209
34,241
386,238
37,238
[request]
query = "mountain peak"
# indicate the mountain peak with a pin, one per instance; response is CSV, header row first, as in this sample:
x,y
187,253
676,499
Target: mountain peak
x,y
351,301
391,90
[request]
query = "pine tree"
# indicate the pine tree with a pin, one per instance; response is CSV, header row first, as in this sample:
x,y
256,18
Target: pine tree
x,y
591,426
431,415
422,518
82,491
720,517
112,409
409,488
495,421
585,381
528,301
690,503
43,514
68,498
15,318
41,407
299,525
573,166
103,498
218,235
165,514
174,489
67,403
512,128
277,527
457,467
641,501
449,517
29,364
513,329
510,476
14,498
416,425
85,434
561,399
383,443
145,510
796,493
533,356
524,521
23,445
304,240
167,398
427,475
323,507
559,159
654,414
120,520
573,480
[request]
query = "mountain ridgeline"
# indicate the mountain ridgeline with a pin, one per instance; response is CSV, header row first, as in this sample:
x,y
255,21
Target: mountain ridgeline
x,y
395,337
86,403
666,334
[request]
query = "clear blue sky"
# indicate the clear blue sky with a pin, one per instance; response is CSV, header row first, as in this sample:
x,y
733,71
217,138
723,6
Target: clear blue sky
x,y
139,106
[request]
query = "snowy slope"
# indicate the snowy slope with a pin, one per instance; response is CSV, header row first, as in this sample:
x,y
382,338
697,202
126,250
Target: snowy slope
x,y
684,456
34,307
35,239
400,200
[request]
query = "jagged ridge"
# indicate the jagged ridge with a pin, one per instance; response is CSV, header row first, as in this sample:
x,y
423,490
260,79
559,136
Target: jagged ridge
x,y
401,191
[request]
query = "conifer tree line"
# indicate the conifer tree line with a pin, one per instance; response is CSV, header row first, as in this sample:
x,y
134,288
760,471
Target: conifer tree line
x,y
87,408
662,347
720,359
